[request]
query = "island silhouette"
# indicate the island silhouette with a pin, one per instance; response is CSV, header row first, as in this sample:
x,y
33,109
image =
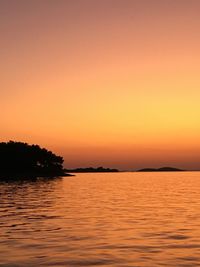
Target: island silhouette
x,y
163,169
91,169
21,160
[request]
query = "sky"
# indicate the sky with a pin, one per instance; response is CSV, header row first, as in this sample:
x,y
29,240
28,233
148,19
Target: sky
x,y
113,83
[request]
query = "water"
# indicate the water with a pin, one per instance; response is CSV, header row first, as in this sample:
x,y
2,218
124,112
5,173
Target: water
x,y
114,219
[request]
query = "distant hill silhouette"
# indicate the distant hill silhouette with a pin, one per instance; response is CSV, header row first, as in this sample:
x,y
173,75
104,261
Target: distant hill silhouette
x,y
163,169
91,169
19,159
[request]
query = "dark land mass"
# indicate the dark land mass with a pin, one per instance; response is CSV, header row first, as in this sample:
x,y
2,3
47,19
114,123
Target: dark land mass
x,y
163,169
91,169
23,161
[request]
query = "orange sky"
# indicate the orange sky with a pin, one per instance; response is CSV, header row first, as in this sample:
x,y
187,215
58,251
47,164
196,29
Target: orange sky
x,y
105,82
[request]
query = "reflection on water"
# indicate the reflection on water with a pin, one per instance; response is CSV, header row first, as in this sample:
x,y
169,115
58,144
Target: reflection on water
x,y
114,219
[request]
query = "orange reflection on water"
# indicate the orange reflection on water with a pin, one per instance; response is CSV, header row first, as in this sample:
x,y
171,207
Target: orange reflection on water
x,y
116,219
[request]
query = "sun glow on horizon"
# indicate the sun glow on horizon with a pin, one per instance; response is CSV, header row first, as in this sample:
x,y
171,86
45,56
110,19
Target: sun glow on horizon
x,y
113,83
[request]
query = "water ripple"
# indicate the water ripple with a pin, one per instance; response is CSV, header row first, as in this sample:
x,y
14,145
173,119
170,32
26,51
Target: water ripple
x,y
121,220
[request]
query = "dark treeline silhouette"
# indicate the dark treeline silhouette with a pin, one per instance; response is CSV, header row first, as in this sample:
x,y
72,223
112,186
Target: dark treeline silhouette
x,y
163,169
91,169
19,159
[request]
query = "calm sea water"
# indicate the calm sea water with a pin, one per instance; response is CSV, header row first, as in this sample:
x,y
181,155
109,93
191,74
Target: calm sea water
x,y
116,219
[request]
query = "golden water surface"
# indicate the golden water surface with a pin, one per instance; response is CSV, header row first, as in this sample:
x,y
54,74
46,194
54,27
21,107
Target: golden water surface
x,y
113,219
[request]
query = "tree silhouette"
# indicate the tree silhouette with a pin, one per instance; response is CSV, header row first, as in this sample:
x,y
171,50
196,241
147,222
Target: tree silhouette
x,y
19,158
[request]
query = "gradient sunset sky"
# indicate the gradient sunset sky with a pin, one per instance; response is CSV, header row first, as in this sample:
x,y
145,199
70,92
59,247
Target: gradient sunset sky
x,y
112,83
